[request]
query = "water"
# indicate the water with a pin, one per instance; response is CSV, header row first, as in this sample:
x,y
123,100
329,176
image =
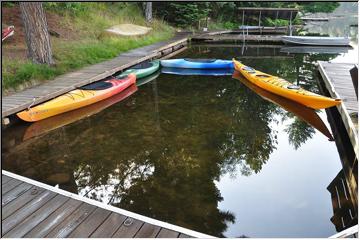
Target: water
x,y
342,22
203,152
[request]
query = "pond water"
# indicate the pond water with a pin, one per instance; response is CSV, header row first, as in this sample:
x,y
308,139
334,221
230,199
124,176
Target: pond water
x,y
203,152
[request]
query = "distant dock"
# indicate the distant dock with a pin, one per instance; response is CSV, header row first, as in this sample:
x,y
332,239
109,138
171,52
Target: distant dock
x,y
32,209
239,37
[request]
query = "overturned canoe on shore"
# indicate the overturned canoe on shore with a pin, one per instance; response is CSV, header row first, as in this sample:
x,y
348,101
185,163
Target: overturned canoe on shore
x,y
284,88
78,98
197,63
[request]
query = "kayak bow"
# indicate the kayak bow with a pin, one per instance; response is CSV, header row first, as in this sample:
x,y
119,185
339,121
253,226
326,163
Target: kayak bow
x,y
284,88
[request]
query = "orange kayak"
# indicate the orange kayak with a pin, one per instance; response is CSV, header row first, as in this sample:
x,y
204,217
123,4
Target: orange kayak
x,y
308,115
285,89
78,98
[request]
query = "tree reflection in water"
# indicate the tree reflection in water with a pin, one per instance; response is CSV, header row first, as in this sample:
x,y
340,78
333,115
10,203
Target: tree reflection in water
x,y
163,162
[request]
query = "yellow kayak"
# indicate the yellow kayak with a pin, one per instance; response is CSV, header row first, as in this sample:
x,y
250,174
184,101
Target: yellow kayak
x,y
285,89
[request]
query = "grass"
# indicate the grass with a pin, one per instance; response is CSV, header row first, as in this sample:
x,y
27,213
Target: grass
x,y
89,47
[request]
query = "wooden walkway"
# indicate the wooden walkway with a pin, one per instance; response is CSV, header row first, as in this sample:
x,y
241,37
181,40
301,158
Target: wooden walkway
x,y
67,82
33,209
339,84
238,38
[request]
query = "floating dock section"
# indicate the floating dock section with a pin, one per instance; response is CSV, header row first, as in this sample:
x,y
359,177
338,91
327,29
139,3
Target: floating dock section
x,y
32,209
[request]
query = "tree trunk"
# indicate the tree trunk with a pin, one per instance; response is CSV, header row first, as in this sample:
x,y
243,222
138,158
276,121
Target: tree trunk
x,y
148,11
36,33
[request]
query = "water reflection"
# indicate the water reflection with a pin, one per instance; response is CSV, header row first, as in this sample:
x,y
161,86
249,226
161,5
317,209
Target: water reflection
x,y
161,151
314,49
46,125
298,132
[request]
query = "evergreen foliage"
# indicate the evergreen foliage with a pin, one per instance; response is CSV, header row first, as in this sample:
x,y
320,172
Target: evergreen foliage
x,y
187,14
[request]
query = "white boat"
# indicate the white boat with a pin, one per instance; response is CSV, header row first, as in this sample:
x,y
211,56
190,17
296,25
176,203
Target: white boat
x,y
319,41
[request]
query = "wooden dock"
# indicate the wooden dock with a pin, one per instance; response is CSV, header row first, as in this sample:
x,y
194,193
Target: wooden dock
x,y
275,39
19,101
33,209
338,82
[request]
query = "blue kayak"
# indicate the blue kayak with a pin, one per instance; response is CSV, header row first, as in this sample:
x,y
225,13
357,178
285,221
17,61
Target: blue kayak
x,y
203,72
197,63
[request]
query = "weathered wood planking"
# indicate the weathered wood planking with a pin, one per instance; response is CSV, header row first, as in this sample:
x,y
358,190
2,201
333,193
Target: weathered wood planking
x,y
338,82
67,82
238,38
32,209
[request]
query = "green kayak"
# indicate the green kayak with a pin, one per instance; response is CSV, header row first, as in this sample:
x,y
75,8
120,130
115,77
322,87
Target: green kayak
x,y
142,70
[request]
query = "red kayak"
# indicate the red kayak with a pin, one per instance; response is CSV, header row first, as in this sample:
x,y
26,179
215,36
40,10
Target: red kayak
x,y
80,97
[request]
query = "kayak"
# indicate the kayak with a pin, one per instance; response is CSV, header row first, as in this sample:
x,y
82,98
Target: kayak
x,y
285,89
201,72
308,115
47,125
142,70
197,63
78,98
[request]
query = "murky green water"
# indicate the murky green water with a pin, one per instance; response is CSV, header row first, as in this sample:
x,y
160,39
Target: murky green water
x,y
206,153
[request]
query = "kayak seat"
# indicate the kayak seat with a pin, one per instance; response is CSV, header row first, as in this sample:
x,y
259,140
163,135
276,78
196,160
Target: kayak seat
x,y
97,86
142,65
249,69
200,60
293,87
262,76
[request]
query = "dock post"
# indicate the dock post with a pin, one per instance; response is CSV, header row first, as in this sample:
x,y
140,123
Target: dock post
x,y
242,25
260,22
290,27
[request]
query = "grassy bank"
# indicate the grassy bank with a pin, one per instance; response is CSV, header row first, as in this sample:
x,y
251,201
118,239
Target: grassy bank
x,y
85,44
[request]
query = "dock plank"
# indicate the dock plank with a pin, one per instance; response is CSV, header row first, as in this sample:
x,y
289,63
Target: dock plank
x,y
5,179
19,202
14,219
128,229
14,193
46,226
72,221
6,187
166,233
109,226
38,216
182,235
148,231
87,227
